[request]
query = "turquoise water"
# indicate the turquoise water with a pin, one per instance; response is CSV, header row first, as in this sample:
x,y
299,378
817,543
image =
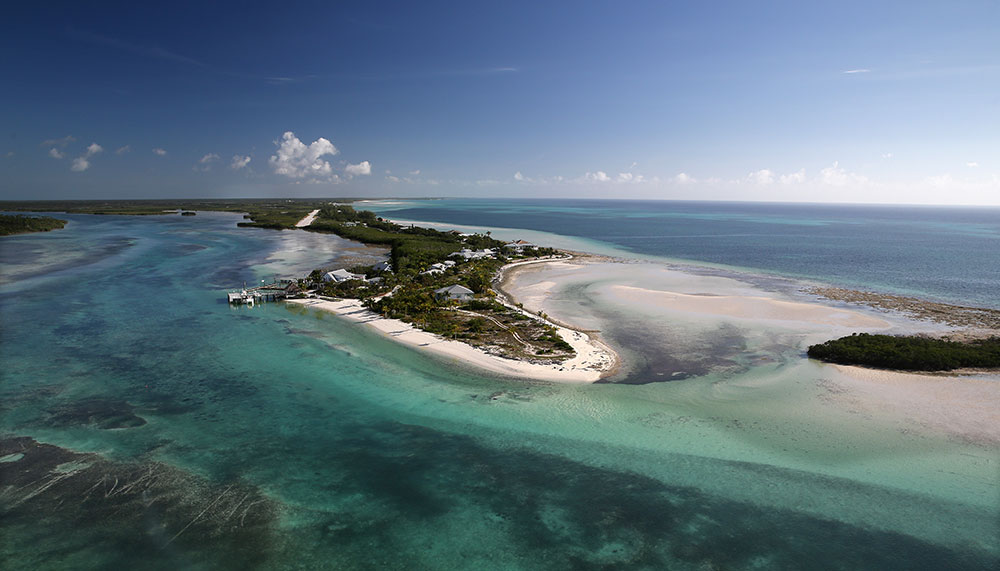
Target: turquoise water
x,y
942,253
192,434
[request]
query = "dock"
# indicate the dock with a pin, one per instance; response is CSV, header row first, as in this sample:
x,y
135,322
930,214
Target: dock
x,y
278,290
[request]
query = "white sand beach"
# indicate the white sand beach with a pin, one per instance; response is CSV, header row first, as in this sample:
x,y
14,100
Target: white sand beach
x,y
592,361
308,219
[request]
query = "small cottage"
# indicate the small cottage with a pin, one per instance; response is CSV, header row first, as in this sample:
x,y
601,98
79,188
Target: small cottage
x,y
453,293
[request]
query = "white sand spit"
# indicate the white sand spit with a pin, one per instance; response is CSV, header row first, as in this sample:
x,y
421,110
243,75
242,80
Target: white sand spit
x,y
592,361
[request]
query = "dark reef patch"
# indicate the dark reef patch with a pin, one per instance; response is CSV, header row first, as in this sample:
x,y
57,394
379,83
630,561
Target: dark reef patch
x,y
78,510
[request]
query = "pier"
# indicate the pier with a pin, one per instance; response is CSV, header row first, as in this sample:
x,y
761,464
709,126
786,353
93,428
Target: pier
x,y
276,291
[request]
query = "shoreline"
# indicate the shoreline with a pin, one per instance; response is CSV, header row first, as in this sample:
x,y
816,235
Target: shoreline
x,y
593,360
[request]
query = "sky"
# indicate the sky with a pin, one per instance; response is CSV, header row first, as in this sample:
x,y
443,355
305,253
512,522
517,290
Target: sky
x,y
886,102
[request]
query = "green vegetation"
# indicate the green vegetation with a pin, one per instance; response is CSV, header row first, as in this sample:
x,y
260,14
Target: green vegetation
x,y
413,248
908,353
408,292
18,224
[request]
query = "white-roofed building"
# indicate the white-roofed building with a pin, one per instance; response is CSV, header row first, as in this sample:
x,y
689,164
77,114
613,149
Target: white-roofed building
x,y
453,293
341,275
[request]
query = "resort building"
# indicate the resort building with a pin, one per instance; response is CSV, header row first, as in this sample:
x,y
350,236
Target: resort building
x,y
468,254
519,246
341,275
383,266
453,293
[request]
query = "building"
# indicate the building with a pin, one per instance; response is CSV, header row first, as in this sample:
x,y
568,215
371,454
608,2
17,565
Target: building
x,y
341,275
519,246
468,254
453,293
383,266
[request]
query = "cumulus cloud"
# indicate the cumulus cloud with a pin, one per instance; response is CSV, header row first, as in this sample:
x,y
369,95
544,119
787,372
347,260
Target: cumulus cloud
x,y
762,177
295,159
391,178
793,178
970,164
629,177
82,162
56,153
160,152
363,168
887,156
123,150
415,172
517,176
239,162
599,176
834,175
683,178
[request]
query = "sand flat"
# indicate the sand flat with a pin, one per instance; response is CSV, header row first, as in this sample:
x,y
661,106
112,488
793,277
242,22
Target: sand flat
x,y
750,307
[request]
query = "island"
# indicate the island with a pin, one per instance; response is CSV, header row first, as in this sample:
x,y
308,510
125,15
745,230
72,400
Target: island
x,y
20,224
909,353
443,285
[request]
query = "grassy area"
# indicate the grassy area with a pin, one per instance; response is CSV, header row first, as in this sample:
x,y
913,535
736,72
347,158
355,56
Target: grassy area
x,y
909,353
18,224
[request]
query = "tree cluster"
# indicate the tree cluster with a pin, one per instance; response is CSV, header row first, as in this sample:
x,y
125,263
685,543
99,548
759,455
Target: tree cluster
x,y
908,353
19,224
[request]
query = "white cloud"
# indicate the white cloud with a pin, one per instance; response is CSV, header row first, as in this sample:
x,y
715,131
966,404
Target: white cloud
x,y
391,178
58,142
630,177
239,162
970,164
834,175
55,153
793,178
159,151
296,160
123,150
762,177
82,162
363,168
415,172
205,162
599,176
684,178
860,70
517,176
887,156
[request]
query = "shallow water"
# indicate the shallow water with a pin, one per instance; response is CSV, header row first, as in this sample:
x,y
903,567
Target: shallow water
x,y
366,454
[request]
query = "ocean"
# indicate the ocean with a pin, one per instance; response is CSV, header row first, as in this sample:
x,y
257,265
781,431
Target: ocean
x,y
148,424
949,254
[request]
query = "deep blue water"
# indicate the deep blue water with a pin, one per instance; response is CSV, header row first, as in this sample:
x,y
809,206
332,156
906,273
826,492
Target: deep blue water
x,y
941,253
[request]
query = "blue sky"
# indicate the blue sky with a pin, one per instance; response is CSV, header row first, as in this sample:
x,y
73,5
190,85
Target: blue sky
x,y
840,102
